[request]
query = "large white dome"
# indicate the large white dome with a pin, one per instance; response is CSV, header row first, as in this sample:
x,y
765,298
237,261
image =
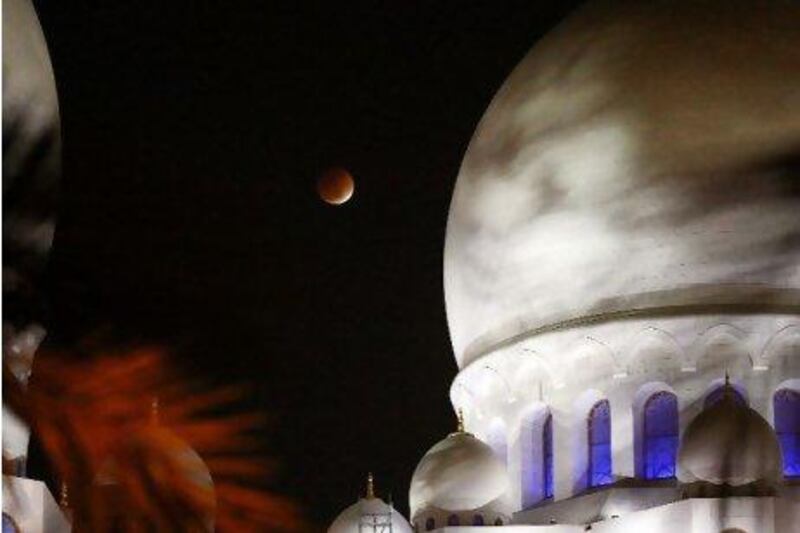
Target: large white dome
x,y
459,473
635,161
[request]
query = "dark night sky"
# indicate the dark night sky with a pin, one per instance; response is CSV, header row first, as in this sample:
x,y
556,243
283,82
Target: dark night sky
x,y
193,135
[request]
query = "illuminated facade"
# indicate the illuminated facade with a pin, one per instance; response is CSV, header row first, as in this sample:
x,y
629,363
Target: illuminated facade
x,y
622,281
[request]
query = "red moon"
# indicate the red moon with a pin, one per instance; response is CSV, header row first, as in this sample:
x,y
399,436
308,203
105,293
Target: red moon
x,y
335,186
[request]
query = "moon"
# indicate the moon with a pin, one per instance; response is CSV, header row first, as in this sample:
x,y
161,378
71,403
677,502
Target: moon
x,y
335,186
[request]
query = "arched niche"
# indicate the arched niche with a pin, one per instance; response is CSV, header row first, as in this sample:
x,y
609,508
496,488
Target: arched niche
x,y
722,349
781,353
654,352
591,361
531,378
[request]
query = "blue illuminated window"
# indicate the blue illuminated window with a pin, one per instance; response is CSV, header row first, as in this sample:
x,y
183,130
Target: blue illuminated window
x,y
660,435
786,403
599,430
547,457
717,394
452,520
477,520
8,524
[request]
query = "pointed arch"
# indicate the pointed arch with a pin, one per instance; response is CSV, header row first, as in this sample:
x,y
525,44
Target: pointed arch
x,y
717,391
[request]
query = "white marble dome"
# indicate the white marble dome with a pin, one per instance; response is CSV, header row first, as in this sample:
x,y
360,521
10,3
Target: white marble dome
x,y
459,473
730,444
364,509
633,161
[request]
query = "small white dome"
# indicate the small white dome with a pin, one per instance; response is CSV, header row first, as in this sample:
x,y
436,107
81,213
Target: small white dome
x,y
364,511
729,444
460,473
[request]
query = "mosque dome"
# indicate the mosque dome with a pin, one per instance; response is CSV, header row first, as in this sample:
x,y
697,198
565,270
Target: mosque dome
x,y
729,444
625,166
369,514
459,473
169,459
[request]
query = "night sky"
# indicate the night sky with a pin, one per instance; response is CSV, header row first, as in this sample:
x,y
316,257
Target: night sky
x,y
193,136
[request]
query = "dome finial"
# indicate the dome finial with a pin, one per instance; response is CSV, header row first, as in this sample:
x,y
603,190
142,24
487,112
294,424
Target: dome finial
x,y
63,498
154,410
460,416
370,486
727,390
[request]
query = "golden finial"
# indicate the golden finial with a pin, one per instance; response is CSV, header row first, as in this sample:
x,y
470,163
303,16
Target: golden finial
x,y
460,416
728,392
63,498
370,487
154,410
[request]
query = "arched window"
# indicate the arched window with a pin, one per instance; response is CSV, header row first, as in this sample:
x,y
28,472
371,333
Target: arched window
x,y
786,403
9,526
547,457
599,433
717,394
498,522
430,524
660,435
452,520
477,520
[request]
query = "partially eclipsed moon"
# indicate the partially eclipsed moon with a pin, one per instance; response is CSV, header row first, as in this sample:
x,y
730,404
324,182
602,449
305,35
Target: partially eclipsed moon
x,y
335,186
